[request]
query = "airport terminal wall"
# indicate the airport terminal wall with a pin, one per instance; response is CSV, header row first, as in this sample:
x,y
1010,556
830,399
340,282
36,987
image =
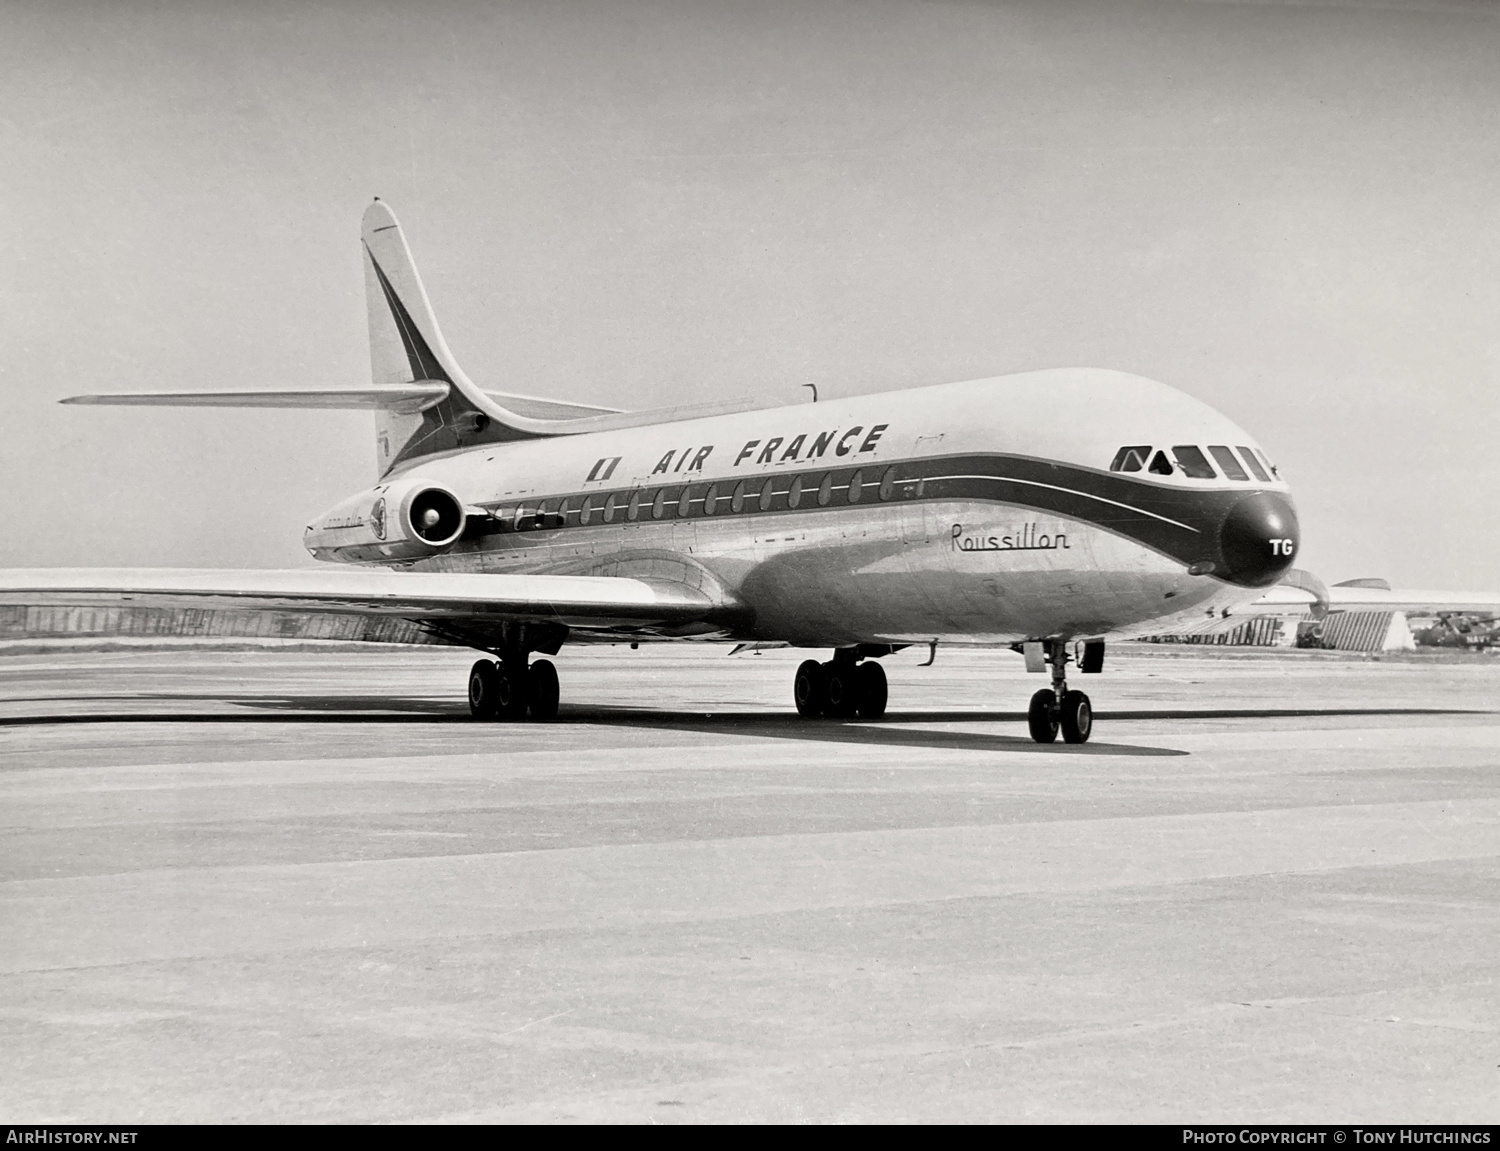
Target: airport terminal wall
x,y
1339,631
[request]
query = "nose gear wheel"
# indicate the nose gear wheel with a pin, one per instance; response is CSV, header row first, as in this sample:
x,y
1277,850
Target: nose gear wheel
x,y
1041,716
1055,708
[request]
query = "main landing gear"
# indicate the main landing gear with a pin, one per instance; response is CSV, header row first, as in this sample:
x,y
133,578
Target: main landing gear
x,y
511,690
841,688
1056,708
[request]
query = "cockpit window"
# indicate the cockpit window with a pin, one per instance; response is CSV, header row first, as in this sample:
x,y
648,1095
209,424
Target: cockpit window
x,y
1160,465
1130,459
1265,459
1193,462
1254,465
1227,462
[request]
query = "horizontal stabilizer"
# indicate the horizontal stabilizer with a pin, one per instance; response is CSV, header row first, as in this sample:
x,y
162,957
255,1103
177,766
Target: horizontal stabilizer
x,y
542,416
404,398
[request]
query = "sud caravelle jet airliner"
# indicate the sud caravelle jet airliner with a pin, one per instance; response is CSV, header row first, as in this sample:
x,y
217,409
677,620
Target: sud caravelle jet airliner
x,y
1048,511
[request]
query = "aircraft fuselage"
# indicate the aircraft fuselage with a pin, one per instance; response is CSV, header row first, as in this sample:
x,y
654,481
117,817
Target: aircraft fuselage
x,y
983,512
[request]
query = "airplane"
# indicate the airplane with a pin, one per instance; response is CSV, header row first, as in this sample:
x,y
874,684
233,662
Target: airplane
x,y
1048,512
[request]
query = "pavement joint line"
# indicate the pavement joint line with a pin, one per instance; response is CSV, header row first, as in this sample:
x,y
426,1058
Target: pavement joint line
x,y
817,872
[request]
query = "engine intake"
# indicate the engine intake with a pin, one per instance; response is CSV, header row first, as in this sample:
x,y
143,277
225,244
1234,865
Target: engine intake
x,y
408,519
436,516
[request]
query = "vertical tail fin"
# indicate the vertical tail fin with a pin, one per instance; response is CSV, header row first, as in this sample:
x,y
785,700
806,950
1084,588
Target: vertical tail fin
x,y
406,346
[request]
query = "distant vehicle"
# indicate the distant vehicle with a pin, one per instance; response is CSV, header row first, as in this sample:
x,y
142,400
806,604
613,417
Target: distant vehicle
x,y
1001,512
1471,633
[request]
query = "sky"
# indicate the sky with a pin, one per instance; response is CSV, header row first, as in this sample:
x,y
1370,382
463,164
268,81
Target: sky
x,y
1288,210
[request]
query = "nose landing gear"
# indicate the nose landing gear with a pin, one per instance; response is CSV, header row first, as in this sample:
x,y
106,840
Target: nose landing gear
x,y
841,688
1055,708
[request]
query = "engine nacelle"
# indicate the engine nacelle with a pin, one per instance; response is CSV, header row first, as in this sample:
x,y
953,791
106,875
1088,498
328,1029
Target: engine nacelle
x,y
406,519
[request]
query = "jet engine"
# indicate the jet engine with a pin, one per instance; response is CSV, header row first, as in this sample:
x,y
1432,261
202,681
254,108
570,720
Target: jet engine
x,y
406,519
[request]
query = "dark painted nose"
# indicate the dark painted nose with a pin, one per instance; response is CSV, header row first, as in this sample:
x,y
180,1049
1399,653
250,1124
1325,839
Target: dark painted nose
x,y
1258,540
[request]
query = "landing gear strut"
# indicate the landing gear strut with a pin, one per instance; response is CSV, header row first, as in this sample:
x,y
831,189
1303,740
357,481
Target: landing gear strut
x,y
841,688
1056,708
510,690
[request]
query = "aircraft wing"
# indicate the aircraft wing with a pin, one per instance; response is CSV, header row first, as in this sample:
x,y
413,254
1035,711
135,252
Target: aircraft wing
x,y
350,603
1285,600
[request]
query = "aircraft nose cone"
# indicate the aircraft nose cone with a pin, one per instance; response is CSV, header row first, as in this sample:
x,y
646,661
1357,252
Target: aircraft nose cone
x,y
1258,540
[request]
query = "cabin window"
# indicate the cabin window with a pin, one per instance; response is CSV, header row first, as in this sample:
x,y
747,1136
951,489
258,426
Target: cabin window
x,y
888,483
1160,465
856,487
659,504
766,494
711,500
825,491
794,497
684,503
1193,462
520,521
586,512
1228,464
564,510
609,508
737,501
1254,465
1130,459
633,509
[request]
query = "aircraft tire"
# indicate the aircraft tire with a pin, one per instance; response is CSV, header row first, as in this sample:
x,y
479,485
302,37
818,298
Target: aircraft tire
x,y
544,693
809,689
483,689
872,690
1041,716
842,690
1077,717
511,691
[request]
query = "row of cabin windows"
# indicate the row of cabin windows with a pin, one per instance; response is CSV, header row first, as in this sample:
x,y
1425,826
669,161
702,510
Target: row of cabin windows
x,y
1191,462
715,499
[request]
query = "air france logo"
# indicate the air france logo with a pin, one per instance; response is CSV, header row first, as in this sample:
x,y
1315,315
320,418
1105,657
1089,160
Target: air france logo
x,y
801,448
842,446
602,469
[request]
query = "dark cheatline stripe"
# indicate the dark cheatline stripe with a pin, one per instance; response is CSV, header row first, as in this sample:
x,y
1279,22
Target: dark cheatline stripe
x,y
1177,522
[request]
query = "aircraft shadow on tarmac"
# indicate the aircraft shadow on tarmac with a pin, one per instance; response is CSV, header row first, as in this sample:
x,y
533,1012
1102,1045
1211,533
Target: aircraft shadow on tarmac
x,y
887,731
